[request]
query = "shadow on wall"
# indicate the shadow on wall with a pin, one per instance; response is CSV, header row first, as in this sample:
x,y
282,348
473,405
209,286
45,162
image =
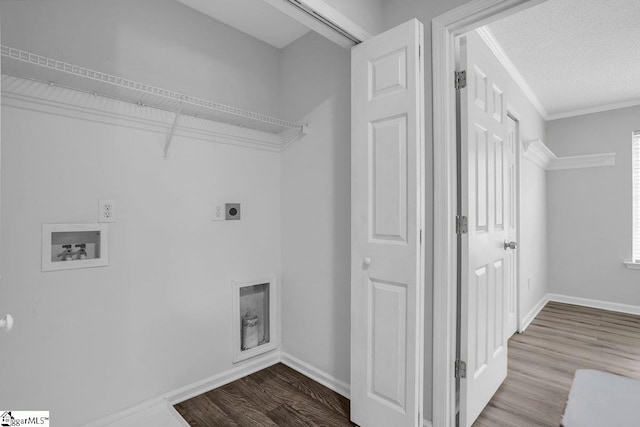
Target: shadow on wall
x,y
316,200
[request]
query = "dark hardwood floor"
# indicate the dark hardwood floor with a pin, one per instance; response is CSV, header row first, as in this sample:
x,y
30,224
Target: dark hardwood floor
x,y
276,396
543,360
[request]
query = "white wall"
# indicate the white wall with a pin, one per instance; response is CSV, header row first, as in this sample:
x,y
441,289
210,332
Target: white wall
x,y
88,343
158,42
316,200
533,244
590,211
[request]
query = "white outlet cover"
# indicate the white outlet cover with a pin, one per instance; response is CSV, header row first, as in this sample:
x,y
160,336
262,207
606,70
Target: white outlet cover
x,y
218,212
107,211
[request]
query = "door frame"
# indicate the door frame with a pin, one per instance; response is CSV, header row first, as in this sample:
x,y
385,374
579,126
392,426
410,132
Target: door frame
x,y
445,28
513,114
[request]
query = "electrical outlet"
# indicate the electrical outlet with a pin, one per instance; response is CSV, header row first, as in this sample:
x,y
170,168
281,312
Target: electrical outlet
x,y
218,212
107,211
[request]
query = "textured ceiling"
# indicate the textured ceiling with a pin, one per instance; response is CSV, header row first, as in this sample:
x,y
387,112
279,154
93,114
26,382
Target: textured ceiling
x,y
576,54
254,17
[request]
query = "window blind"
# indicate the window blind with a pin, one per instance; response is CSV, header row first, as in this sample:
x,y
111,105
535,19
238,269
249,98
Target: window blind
x,y
636,195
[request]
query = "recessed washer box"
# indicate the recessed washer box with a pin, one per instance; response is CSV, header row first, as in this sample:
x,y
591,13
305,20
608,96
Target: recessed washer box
x,y
71,246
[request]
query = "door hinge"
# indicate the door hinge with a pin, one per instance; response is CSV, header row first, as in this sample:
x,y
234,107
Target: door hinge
x,y
420,236
462,224
461,369
460,79
420,51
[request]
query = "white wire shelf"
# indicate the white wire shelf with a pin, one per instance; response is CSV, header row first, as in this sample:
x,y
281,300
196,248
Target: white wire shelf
x,y
23,64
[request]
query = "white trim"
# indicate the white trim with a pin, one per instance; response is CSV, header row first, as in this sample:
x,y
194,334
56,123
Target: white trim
x,y
593,303
513,114
632,265
445,28
537,152
586,161
487,36
191,390
597,109
427,423
341,387
223,378
163,412
327,12
533,313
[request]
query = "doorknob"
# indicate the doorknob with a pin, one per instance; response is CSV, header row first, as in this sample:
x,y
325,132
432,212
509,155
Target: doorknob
x,y
366,261
510,245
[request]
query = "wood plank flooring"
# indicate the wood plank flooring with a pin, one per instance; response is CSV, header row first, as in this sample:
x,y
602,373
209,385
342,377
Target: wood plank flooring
x,y
276,396
543,360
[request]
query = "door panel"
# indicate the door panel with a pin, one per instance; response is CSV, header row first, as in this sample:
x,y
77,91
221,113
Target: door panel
x,y
487,268
387,284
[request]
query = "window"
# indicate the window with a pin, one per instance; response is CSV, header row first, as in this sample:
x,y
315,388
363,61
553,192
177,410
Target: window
x,y
635,166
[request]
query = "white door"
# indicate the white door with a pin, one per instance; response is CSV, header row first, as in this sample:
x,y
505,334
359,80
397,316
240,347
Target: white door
x,y
486,177
387,284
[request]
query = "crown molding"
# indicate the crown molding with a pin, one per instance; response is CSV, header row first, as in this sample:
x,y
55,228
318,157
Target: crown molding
x,y
536,151
487,36
579,162
597,109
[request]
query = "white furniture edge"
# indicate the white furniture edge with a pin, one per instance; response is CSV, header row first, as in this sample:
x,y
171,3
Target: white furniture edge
x,y
632,265
39,97
445,28
537,152
238,354
487,36
533,313
586,161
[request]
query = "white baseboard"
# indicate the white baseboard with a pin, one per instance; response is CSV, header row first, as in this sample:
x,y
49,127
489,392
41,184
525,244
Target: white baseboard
x,y
144,409
316,374
208,384
528,318
427,423
604,305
